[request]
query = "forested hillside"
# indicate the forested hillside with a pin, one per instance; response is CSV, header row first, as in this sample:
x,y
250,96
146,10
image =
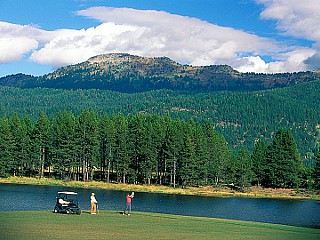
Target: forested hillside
x,y
146,149
241,117
130,74
152,120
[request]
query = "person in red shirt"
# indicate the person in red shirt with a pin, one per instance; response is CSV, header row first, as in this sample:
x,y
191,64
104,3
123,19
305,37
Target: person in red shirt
x,y
128,203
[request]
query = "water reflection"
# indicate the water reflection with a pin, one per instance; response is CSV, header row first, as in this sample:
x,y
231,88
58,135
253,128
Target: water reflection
x,y
290,212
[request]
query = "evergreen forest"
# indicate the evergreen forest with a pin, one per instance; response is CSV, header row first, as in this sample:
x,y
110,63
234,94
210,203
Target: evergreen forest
x,y
130,119
146,149
241,117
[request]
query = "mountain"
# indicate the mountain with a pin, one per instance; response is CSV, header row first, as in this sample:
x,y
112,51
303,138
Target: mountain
x,y
133,84
17,80
128,73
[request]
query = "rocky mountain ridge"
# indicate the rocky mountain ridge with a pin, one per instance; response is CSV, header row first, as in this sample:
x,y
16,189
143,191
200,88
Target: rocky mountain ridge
x,y
129,73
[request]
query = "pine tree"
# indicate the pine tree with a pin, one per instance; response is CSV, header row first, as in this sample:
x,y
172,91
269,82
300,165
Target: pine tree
x,y
259,162
65,145
150,151
121,156
219,155
159,126
40,139
87,142
27,145
107,146
187,159
173,147
316,171
244,171
136,140
201,154
19,136
284,163
6,149
23,144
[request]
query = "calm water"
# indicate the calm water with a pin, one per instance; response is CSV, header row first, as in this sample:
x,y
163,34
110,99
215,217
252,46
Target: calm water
x,y
304,213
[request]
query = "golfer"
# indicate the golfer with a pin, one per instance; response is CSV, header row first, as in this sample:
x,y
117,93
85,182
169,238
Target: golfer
x,y
128,203
94,202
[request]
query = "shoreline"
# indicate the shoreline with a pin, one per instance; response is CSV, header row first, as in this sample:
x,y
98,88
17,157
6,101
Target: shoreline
x,y
207,191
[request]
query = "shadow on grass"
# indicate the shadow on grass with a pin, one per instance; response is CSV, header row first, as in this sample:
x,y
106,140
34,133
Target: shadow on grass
x,y
85,212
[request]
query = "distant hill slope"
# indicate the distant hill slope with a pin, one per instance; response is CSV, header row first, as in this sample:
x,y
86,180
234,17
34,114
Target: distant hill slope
x,y
17,80
128,73
242,117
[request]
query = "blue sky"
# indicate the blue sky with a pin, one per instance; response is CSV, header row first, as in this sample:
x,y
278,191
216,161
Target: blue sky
x,y
37,36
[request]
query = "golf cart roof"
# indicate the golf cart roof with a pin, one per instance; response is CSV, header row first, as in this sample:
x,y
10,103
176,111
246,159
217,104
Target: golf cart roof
x,y
68,193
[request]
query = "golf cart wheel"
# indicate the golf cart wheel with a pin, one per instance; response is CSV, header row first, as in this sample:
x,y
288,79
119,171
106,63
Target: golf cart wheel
x,y
56,210
79,212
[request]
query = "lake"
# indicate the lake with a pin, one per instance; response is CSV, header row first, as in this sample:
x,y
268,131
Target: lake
x,y
305,213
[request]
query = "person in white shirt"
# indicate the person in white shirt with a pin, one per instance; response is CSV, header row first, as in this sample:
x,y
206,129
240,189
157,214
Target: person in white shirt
x,y
63,202
94,202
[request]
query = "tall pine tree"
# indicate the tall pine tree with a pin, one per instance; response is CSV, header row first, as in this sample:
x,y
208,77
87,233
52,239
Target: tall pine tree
x,y
284,162
41,142
316,171
259,162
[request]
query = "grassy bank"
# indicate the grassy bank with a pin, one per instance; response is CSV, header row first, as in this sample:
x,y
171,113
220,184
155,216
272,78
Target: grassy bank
x,y
254,192
113,225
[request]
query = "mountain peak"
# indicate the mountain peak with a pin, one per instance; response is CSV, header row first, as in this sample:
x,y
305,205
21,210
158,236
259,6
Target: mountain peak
x,y
121,64
130,73
110,57
116,58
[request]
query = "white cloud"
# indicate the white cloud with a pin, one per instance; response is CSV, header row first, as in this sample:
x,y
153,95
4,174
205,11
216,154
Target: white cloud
x,y
288,62
295,17
251,64
18,40
73,46
300,19
15,41
156,33
184,39
150,33
12,50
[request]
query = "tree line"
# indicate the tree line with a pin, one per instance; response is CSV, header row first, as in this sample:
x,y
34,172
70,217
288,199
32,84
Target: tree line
x,y
146,149
239,116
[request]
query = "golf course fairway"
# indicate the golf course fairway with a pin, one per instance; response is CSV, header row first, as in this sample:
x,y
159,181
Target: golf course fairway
x,y
34,225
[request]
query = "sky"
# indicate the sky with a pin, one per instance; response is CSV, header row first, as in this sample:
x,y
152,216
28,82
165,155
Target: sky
x,y
263,36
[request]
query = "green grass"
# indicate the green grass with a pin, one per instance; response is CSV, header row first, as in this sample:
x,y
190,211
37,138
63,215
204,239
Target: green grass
x,y
34,225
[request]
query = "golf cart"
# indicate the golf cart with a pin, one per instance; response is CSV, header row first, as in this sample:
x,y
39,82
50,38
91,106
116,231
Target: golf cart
x,y
67,202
